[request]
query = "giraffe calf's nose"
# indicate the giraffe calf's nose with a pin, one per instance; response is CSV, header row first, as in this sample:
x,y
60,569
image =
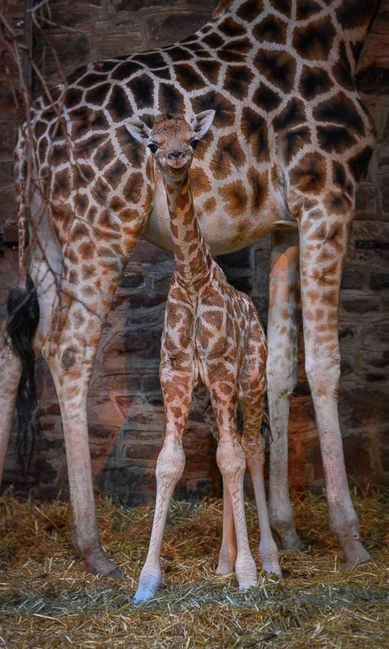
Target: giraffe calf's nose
x,y
175,154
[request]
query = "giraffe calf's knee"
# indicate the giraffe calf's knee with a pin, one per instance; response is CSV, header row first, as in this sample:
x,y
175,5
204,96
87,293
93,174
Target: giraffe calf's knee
x,y
170,464
230,459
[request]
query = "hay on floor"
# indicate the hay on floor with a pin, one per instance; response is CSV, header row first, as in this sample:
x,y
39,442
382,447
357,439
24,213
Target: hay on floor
x,y
48,601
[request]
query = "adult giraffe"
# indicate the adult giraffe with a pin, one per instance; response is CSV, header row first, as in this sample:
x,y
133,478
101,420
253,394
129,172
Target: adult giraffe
x,y
289,143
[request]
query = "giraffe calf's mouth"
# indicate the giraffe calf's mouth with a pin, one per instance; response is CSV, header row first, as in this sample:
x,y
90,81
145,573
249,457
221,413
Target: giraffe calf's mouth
x,y
177,163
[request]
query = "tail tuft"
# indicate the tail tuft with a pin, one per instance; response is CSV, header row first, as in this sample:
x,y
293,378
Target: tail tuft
x,y
23,319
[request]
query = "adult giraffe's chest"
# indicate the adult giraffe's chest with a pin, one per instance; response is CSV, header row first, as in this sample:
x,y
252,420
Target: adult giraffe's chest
x,y
235,197
233,212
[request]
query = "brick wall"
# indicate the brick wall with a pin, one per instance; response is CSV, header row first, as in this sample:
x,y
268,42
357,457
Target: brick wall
x,y
125,405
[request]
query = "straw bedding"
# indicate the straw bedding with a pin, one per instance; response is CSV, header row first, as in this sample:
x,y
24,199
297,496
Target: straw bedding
x,y
47,601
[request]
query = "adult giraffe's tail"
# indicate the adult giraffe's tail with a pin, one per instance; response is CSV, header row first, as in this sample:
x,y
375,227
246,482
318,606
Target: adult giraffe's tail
x,y
23,319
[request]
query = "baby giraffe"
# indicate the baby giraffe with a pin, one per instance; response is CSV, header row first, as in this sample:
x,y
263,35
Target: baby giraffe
x,y
212,337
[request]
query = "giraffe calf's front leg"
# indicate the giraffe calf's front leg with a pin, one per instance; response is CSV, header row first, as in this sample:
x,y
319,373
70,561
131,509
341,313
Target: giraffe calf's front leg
x,y
170,466
231,461
227,553
177,388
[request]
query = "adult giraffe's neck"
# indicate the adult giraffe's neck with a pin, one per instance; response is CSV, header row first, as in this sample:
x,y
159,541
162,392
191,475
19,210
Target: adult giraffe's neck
x,y
355,18
193,260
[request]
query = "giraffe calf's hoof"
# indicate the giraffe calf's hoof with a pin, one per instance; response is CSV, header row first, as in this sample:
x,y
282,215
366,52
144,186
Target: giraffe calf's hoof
x,y
272,568
268,552
147,589
275,571
245,584
225,566
246,573
144,594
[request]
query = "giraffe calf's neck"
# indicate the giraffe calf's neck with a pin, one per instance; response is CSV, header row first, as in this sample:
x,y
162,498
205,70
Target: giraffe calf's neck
x,y
193,260
172,142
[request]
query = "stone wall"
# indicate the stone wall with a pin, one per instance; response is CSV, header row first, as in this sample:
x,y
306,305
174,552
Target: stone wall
x,y
125,405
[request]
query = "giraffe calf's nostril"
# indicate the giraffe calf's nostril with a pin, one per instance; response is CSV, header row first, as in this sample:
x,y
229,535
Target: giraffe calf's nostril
x,y
175,154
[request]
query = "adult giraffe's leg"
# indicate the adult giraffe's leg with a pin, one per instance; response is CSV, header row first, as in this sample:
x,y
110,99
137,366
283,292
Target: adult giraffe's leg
x,y
252,396
231,461
10,372
323,248
227,553
282,337
70,350
177,388
93,262
45,278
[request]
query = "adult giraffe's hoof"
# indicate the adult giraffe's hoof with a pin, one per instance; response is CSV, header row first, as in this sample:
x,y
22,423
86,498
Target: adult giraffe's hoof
x,y
289,541
99,564
269,559
355,554
292,542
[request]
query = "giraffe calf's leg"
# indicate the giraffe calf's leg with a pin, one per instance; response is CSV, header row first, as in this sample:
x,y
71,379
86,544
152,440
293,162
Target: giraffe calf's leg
x,y
177,388
231,462
227,553
170,467
268,551
252,396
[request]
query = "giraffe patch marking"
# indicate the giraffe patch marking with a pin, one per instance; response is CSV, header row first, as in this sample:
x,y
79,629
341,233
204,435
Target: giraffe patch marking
x,y
314,41
313,82
270,29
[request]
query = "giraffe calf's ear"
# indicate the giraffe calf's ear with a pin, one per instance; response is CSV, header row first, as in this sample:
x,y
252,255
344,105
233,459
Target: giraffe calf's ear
x,y
138,129
202,123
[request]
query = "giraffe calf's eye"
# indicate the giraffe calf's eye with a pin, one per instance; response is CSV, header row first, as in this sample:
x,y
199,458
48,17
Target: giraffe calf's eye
x,y
153,147
194,144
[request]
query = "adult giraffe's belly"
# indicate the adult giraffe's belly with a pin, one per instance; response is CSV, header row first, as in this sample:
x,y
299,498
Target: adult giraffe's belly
x,y
229,219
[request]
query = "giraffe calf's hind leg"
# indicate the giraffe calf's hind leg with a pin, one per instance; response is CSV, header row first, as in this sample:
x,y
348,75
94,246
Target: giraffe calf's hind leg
x,y
252,396
227,553
268,551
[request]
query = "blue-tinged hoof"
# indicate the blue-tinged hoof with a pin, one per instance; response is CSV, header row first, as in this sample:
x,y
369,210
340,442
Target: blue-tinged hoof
x,y
144,594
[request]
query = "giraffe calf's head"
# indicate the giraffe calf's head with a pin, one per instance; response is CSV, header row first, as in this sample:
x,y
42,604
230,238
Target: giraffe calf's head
x,y
172,140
